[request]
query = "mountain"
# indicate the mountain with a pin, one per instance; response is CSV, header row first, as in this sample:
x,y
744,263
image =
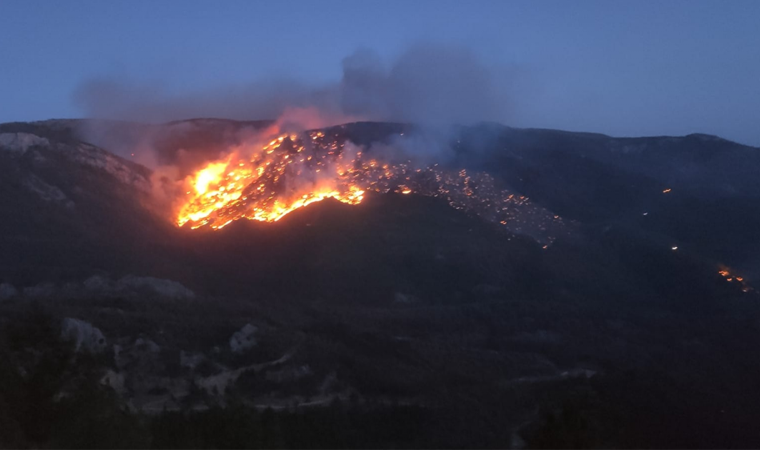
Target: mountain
x,y
710,205
398,322
71,208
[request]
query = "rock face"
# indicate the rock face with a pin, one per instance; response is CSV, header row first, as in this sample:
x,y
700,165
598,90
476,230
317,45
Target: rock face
x,y
47,192
85,337
82,153
7,292
190,360
98,284
20,142
146,345
164,288
243,339
115,381
135,285
289,374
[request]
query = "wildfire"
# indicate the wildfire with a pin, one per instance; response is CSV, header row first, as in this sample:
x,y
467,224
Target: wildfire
x,y
211,173
267,185
291,171
730,278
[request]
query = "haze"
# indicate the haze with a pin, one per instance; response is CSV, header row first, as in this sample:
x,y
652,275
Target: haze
x,y
621,68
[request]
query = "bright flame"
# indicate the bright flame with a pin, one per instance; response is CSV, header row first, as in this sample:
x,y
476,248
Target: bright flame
x,y
729,277
211,174
268,184
289,171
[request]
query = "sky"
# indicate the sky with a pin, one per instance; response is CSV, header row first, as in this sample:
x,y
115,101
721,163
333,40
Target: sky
x,y
624,68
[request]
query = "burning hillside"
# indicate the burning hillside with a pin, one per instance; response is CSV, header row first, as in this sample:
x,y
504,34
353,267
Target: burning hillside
x,y
267,181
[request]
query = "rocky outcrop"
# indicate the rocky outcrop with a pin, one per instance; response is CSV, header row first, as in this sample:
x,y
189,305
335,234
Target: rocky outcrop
x,y
115,380
82,153
20,142
124,171
146,345
289,374
244,338
98,284
190,360
158,286
84,336
131,284
47,192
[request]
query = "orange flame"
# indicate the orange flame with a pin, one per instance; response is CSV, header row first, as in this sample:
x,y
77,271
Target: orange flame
x,y
267,185
286,172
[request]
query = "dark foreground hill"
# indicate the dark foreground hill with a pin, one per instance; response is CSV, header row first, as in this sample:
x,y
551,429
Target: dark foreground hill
x,y
400,322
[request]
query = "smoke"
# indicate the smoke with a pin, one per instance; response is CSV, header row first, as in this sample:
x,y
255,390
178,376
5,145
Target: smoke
x,y
426,84
432,86
421,148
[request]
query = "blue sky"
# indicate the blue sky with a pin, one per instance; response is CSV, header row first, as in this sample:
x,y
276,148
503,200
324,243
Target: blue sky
x,y
622,68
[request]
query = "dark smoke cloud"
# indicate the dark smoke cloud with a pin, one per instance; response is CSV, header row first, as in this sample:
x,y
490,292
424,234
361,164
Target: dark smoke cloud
x,y
429,84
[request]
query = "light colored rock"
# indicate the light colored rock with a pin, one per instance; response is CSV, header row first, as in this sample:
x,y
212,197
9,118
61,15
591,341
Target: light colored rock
x,y
216,385
48,192
156,286
190,360
146,345
117,167
289,374
40,291
20,142
244,339
115,381
99,284
82,153
7,291
84,336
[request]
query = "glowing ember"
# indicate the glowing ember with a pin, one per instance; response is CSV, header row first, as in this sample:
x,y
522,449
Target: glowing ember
x,y
730,278
210,174
292,171
267,185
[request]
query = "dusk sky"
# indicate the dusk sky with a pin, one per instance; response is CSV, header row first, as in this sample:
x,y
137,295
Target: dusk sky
x,y
621,68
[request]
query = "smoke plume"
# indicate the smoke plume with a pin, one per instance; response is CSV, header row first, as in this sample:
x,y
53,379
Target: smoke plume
x,y
431,86
427,84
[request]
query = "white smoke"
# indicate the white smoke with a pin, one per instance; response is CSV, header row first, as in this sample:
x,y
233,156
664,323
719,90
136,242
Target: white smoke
x,y
430,84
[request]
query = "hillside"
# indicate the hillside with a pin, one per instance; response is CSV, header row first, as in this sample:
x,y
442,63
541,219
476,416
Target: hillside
x,y
398,322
